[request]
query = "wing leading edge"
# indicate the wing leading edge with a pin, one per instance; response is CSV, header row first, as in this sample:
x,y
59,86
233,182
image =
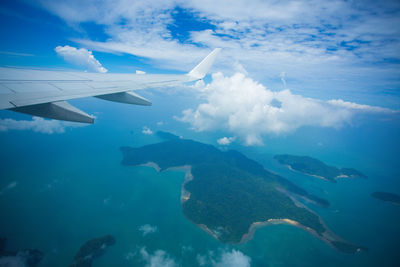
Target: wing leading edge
x,y
44,93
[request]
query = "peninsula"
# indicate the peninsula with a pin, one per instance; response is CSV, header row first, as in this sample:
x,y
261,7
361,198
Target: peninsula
x,y
229,195
317,168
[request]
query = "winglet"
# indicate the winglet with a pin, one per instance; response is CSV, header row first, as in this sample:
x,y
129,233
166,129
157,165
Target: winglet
x,y
201,70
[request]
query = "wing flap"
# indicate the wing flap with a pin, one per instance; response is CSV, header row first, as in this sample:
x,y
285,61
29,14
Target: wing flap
x,y
126,97
44,92
57,110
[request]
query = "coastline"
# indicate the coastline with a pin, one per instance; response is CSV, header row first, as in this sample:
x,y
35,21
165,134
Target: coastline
x,y
313,175
185,195
335,179
327,236
151,165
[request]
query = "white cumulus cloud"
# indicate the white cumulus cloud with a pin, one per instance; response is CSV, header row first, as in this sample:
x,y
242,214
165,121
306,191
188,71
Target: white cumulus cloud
x,y
159,259
234,258
148,229
249,110
147,131
224,141
37,124
80,57
223,258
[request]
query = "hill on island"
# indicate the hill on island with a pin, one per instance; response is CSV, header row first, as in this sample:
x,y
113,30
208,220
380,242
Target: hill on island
x,y
229,192
317,168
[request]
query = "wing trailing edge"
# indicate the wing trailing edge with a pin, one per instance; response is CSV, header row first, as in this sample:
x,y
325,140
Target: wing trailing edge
x,y
44,93
126,97
60,110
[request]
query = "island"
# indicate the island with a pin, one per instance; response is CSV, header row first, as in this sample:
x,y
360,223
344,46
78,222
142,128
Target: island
x,y
317,168
229,195
387,197
91,250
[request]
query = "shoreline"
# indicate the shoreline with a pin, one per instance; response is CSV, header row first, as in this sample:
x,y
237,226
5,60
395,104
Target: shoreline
x,y
335,179
185,195
327,236
305,173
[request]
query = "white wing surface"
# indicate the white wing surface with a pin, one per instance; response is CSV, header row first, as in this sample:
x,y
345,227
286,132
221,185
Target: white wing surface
x,y
44,93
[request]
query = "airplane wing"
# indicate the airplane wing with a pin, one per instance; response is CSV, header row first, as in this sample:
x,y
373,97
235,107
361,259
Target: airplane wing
x,y
44,93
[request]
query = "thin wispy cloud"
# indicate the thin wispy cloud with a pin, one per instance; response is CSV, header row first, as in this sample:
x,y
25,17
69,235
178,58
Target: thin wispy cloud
x,y
38,125
8,187
349,45
18,54
147,229
81,57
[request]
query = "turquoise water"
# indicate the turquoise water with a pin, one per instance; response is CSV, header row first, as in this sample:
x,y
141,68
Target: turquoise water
x,y
71,187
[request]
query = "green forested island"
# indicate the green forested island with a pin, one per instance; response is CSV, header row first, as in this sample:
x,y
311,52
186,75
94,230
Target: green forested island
x,y
229,194
388,197
317,168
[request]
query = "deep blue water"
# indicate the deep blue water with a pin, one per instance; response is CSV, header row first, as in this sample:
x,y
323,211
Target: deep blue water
x,y
71,187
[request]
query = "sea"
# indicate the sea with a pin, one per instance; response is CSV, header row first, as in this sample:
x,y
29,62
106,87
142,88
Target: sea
x,y
60,190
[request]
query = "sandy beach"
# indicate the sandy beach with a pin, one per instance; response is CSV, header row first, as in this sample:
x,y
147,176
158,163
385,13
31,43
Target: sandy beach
x,y
327,236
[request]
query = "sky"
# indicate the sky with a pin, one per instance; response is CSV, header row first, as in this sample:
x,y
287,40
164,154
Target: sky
x,y
306,67
284,64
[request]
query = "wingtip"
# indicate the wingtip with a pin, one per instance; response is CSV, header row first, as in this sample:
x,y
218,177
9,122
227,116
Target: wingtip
x,y
204,66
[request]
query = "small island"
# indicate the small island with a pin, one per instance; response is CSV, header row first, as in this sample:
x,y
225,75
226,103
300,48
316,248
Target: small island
x,y
229,195
91,250
387,197
317,168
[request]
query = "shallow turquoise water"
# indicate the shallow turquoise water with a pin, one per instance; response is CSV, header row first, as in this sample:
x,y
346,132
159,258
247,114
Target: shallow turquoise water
x,y
71,188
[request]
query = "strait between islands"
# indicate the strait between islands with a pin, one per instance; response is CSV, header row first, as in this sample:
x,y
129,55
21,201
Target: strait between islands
x,y
229,195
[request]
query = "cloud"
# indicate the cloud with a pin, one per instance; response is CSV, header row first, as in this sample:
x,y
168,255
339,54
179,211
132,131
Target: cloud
x,y
9,187
80,57
37,124
234,258
247,109
159,259
201,260
355,106
346,45
140,72
146,131
130,256
225,140
17,54
283,75
148,229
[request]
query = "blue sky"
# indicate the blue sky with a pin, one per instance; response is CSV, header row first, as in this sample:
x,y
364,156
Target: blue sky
x,y
338,53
